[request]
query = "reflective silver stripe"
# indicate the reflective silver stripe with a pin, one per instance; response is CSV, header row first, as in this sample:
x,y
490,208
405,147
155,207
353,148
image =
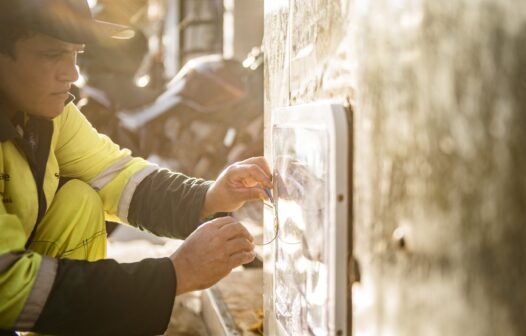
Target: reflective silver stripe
x,y
109,173
8,259
38,295
129,189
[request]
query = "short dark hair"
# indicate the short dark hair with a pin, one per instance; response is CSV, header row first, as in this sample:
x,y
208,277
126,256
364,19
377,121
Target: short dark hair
x,y
10,34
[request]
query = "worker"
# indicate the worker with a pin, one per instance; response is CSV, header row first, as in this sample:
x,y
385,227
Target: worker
x,y
60,180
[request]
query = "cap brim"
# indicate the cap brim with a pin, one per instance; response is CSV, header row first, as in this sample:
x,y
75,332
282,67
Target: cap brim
x,y
85,31
70,22
113,30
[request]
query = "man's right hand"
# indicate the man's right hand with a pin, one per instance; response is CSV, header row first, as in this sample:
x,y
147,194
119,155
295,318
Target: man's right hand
x,y
210,253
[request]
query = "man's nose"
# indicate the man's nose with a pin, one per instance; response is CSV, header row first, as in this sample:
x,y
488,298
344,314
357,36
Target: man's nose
x,y
68,71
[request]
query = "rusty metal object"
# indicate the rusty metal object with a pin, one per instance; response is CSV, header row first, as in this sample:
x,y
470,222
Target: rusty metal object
x,y
210,115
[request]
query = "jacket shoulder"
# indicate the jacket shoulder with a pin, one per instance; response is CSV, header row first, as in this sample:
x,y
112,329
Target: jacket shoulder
x,y
70,111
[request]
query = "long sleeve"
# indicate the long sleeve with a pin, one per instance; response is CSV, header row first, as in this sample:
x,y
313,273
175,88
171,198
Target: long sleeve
x,y
108,298
168,204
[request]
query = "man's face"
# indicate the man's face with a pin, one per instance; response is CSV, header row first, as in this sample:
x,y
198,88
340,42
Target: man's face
x,y
38,78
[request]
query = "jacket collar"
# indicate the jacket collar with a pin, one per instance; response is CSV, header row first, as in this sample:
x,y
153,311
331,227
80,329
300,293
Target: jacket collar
x,y
8,130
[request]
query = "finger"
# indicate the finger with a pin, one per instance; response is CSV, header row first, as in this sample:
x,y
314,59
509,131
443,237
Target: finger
x,y
237,245
241,258
261,162
254,193
221,221
235,230
251,174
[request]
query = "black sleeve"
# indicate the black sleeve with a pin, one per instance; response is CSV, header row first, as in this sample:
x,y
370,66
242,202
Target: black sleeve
x,y
108,298
168,204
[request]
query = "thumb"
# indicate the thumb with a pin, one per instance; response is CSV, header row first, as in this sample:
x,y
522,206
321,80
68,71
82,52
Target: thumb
x,y
247,194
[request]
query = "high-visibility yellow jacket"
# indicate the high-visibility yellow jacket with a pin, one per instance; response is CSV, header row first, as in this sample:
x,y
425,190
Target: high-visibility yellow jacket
x,y
70,147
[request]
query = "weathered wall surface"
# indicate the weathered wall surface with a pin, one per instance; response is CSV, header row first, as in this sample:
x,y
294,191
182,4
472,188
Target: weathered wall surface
x,y
307,57
438,91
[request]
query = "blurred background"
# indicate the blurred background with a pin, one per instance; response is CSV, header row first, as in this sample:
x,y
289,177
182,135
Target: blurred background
x,y
186,93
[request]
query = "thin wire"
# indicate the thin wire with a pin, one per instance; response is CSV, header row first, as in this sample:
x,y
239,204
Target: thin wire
x,y
273,204
276,224
276,220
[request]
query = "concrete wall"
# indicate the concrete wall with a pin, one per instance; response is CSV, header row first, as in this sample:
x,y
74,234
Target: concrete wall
x,y
438,92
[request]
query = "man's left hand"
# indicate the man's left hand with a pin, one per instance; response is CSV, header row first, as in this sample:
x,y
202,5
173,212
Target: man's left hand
x,y
240,182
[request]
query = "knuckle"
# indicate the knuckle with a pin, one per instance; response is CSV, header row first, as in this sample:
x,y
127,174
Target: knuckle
x,y
249,246
258,171
243,244
235,246
232,168
224,219
213,222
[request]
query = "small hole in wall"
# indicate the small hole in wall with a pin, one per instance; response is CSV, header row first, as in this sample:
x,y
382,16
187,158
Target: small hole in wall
x,y
400,238
340,198
401,243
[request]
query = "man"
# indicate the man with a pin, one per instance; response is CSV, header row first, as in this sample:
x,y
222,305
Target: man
x,y
60,179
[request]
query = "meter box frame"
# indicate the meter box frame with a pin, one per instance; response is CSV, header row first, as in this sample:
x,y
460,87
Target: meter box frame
x,y
306,261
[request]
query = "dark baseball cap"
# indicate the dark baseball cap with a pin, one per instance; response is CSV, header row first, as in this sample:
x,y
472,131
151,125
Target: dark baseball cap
x,y
66,20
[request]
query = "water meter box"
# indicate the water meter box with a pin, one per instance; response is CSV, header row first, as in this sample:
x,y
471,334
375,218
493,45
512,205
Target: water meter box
x,y
306,257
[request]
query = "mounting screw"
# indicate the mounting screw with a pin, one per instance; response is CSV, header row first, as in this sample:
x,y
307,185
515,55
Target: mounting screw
x,y
340,198
400,238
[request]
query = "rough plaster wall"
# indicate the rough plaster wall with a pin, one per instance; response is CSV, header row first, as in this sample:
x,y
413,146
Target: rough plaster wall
x,y
307,57
438,91
440,191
